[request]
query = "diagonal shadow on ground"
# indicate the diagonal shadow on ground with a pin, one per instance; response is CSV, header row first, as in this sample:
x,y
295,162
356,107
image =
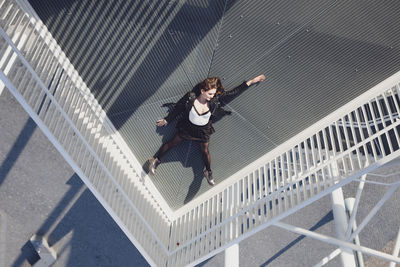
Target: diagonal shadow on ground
x,y
17,148
327,218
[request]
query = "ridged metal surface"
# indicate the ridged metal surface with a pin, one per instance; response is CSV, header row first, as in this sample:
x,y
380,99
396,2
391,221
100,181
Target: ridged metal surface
x,y
137,55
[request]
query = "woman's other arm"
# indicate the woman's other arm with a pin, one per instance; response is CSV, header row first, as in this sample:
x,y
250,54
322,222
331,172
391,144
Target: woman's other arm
x,y
178,109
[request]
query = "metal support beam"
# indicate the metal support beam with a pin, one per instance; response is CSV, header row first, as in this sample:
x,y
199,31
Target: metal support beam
x,y
354,208
337,242
328,258
350,203
396,249
374,210
340,217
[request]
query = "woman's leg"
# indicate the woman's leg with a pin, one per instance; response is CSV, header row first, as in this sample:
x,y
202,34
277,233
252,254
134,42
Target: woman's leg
x,y
167,146
205,155
156,160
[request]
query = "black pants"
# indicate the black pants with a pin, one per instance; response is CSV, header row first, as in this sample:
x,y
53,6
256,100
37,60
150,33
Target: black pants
x,y
205,154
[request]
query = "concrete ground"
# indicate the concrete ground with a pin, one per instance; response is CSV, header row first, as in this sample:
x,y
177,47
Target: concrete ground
x,y
40,194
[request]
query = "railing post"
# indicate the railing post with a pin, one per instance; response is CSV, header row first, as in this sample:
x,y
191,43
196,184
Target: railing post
x,y
340,217
232,256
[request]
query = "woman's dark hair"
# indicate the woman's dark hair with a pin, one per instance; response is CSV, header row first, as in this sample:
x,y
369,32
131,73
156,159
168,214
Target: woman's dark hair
x,y
212,83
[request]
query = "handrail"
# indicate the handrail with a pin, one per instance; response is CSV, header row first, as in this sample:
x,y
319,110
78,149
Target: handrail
x,y
282,189
41,94
68,158
347,145
340,113
77,132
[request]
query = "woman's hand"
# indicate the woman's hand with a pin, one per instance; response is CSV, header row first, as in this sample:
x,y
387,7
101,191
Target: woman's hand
x,y
161,123
257,79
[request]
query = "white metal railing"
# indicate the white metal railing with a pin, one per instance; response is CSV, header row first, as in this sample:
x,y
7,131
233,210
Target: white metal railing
x,y
37,73
358,141
350,142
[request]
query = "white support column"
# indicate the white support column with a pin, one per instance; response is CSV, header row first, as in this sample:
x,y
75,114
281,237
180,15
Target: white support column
x,y
340,217
232,256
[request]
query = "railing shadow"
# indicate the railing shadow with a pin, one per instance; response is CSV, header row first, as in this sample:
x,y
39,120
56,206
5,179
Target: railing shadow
x,y
126,57
17,148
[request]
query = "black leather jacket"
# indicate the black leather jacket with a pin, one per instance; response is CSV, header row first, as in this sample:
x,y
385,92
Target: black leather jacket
x,y
184,105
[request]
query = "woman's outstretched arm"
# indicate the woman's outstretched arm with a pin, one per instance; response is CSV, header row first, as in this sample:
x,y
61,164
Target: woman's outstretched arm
x,y
257,79
228,96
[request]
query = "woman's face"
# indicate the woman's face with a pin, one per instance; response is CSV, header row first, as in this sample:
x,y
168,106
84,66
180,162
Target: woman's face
x,y
208,94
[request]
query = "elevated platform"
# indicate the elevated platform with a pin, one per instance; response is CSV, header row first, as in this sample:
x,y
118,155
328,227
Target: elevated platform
x,y
135,56
350,142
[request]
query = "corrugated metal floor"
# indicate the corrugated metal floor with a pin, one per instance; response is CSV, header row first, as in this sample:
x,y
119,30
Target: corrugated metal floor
x,y
137,55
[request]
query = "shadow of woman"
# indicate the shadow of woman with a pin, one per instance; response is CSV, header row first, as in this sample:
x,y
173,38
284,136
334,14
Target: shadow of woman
x,y
196,182
188,154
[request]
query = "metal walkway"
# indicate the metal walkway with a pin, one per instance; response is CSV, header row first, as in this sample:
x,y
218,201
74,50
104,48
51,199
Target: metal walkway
x,y
135,56
352,141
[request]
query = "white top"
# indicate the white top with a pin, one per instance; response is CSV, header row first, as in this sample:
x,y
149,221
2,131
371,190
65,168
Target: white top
x,y
197,119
